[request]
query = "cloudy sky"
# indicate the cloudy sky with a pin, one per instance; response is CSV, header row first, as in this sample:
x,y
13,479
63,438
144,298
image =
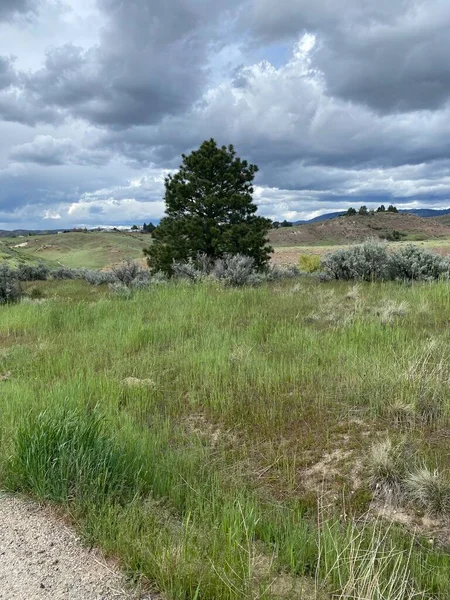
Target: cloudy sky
x,y
342,102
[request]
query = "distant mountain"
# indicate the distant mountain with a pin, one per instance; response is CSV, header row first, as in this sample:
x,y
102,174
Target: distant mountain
x,y
427,212
18,232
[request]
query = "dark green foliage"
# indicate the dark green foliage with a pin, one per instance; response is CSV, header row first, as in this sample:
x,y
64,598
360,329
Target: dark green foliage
x,y
9,285
351,211
395,235
148,228
363,210
381,208
209,210
392,208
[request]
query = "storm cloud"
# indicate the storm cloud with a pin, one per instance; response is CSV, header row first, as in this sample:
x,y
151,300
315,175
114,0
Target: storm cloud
x,y
338,103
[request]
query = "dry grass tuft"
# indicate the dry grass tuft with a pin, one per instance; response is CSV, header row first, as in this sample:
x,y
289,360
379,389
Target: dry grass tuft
x,y
430,490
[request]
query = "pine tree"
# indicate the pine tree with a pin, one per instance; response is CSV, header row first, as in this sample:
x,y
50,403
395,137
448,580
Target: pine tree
x,y
209,209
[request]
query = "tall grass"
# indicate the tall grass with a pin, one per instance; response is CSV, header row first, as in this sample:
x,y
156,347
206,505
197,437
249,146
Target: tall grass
x,y
201,480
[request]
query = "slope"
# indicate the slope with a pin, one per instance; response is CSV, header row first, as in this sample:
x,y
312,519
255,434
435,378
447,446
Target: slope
x,y
357,228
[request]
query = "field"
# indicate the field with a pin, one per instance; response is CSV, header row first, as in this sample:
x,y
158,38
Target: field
x,y
94,250
222,443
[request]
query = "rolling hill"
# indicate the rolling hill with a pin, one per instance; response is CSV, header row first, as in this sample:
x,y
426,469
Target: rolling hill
x,y
94,250
418,212
357,228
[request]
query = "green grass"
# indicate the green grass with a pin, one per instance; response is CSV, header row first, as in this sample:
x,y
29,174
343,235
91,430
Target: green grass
x,y
204,478
93,250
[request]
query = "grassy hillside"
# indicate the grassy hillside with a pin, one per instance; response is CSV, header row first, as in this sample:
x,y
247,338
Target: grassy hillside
x,y
94,250
358,228
191,431
444,220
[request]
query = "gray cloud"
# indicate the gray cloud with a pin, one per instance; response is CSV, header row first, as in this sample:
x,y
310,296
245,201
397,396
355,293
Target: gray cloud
x,y
8,76
152,61
49,151
10,8
390,55
357,112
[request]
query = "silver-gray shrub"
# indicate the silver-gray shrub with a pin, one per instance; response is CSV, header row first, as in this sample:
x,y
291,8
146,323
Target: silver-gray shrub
x,y
284,272
191,270
92,276
230,270
414,263
10,290
38,272
371,261
65,273
129,272
237,270
97,277
365,262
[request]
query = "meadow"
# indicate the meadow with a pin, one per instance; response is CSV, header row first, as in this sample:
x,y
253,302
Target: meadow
x,y
225,443
93,250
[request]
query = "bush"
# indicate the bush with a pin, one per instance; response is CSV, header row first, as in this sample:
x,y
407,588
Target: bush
x,y
371,261
231,270
415,263
65,273
309,263
367,262
190,270
237,270
97,277
129,272
283,272
38,272
10,290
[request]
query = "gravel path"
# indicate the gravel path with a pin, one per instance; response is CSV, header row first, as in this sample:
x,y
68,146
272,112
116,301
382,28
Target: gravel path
x,y
42,559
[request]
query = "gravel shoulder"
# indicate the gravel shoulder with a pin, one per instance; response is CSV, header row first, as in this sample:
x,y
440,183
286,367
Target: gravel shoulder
x,y
41,558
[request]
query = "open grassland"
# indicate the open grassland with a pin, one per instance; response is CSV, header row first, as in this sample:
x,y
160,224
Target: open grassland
x,y
219,442
94,250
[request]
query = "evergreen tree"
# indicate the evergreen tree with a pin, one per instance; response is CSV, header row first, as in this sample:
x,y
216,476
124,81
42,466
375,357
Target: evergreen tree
x,y
209,209
363,210
392,208
381,208
148,228
350,212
